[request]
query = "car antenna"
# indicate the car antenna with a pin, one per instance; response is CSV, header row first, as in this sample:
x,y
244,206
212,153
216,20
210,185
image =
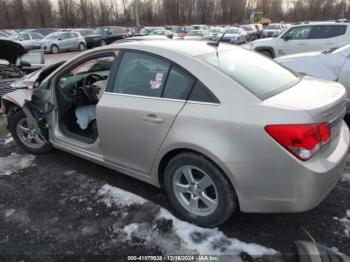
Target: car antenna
x,y
217,42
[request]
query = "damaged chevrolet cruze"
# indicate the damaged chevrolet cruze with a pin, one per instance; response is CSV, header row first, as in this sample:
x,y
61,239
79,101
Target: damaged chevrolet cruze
x,y
220,128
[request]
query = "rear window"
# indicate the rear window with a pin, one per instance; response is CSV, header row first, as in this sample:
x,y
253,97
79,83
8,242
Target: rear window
x,y
327,31
260,75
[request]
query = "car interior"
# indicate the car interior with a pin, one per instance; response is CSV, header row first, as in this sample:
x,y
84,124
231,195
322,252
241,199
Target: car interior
x,y
78,92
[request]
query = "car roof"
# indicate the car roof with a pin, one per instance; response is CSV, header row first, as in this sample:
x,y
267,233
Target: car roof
x,y
191,48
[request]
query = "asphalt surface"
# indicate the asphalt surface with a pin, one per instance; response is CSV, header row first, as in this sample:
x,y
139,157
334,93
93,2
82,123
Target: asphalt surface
x,y
50,209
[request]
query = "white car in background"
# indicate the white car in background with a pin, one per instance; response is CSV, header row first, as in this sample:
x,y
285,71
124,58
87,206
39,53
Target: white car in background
x,y
235,35
214,32
273,30
197,35
27,40
332,64
305,37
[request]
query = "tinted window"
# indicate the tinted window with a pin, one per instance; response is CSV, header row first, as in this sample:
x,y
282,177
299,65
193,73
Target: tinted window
x,y
65,36
201,93
327,31
298,33
141,74
25,37
178,85
36,36
260,75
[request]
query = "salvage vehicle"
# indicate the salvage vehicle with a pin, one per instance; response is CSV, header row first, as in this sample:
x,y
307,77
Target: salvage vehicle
x,y
15,63
331,64
305,37
187,116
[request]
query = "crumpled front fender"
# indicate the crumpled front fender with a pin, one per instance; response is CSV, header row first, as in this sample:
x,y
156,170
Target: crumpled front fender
x,y
17,97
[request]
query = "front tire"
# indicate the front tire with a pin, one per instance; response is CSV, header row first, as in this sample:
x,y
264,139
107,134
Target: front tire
x,y
81,47
266,53
54,49
25,137
198,190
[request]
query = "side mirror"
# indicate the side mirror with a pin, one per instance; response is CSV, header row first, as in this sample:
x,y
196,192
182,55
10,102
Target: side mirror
x,y
169,36
286,38
109,33
59,39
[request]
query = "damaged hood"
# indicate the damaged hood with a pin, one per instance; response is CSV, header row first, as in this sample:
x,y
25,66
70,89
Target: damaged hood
x,y
10,50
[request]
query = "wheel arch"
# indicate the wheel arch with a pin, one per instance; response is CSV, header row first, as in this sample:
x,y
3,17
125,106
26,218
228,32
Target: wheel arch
x,y
270,49
169,154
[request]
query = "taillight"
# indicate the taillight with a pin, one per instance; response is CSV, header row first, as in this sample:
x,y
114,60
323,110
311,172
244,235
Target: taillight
x,y
304,140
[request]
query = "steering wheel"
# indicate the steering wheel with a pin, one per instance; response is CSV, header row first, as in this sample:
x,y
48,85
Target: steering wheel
x,y
89,89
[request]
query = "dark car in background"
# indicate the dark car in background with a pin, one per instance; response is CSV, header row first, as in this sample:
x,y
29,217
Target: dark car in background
x,y
92,38
109,34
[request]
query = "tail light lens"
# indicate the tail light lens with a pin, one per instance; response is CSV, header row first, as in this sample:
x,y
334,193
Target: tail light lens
x,y
303,141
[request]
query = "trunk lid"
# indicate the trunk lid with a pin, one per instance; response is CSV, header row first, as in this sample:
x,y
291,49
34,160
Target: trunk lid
x,y
324,100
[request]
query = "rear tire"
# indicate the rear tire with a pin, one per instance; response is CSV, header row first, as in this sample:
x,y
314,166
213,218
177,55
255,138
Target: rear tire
x,y
54,49
208,199
34,144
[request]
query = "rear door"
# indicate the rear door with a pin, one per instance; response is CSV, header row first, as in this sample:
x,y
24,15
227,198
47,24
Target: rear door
x,y
323,37
293,41
138,109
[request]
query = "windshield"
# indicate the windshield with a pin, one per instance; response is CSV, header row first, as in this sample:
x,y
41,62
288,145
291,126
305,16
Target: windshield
x,y
274,27
232,31
52,36
215,30
260,75
180,30
102,30
195,33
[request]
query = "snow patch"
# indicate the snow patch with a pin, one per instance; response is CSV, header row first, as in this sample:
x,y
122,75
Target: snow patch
x,y
345,221
7,140
14,162
175,236
212,241
116,196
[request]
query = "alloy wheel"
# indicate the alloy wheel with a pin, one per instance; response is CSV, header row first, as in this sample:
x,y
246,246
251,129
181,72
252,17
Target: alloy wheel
x,y
195,190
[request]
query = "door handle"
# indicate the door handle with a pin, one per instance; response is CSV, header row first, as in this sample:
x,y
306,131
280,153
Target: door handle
x,y
152,118
301,44
330,43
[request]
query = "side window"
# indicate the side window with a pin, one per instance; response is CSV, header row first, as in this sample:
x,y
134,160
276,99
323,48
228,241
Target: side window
x,y
25,37
201,93
141,74
96,65
36,36
298,33
327,31
178,85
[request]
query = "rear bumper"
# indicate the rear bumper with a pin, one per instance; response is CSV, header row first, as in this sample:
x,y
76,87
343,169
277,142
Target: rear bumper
x,y
295,187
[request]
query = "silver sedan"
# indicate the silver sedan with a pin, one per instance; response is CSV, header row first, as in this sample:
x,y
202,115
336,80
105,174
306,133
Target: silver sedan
x,y
219,128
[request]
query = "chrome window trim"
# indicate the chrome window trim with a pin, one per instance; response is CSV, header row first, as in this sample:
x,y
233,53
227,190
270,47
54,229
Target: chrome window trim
x,y
161,98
